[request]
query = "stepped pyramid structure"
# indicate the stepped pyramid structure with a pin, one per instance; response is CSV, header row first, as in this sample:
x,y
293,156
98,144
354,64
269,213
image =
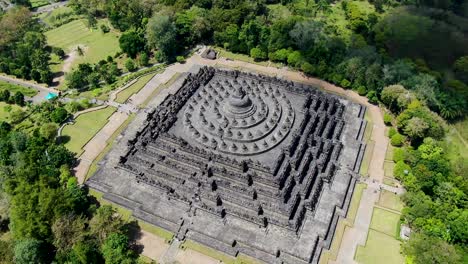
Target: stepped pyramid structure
x,y
242,163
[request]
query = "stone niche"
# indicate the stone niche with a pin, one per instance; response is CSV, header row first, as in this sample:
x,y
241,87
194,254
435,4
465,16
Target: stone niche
x,y
243,163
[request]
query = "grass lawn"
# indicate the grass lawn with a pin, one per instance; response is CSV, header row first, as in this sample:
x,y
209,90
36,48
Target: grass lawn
x,y
380,248
388,168
366,160
38,3
389,153
462,127
134,88
5,110
390,200
385,221
110,142
16,88
389,181
237,56
97,44
457,150
85,127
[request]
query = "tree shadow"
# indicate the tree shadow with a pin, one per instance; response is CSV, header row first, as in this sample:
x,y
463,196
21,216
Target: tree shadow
x,y
63,139
134,234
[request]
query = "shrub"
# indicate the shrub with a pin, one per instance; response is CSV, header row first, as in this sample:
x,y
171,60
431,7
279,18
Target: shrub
x,y
294,58
399,154
105,29
387,118
372,96
180,59
307,68
392,131
130,65
58,51
143,59
258,54
401,169
362,90
345,83
397,140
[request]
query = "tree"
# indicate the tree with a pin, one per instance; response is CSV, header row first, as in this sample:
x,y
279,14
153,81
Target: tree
x,y
161,34
308,33
132,43
460,67
416,128
49,131
115,250
105,222
143,59
396,97
5,96
397,140
426,249
68,231
130,65
258,54
59,115
29,251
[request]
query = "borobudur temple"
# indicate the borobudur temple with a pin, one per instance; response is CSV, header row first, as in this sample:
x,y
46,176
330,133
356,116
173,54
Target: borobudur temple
x,y
240,162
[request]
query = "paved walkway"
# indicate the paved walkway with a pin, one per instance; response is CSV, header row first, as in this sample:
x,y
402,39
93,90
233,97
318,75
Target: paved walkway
x,y
357,235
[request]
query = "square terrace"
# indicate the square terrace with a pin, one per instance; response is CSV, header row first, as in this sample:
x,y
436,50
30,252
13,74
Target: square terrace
x,y
241,163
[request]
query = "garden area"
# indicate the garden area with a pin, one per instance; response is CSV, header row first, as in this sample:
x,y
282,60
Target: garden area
x,y
382,245
84,128
123,96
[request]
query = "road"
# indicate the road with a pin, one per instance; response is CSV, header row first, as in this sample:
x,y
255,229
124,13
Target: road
x,y
42,90
49,8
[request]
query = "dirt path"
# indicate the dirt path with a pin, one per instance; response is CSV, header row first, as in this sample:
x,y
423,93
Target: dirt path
x,y
67,65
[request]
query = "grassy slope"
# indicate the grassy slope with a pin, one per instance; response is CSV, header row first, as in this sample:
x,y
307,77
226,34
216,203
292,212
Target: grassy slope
x,y
85,127
4,114
16,88
98,45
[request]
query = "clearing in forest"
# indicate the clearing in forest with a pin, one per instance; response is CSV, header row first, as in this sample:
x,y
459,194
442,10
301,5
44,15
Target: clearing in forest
x,y
96,44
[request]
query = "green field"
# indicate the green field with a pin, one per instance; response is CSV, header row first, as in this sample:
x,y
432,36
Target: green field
x,y
85,127
390,200
388,168
380,248
382,245
97,45
455,142
38,3
134,88
385,221
16,88
5,111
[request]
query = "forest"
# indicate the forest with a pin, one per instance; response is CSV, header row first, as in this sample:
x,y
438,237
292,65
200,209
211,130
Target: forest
x,y
409,56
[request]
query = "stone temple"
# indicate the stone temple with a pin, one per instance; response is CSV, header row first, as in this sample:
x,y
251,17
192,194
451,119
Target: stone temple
x,y
243,163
